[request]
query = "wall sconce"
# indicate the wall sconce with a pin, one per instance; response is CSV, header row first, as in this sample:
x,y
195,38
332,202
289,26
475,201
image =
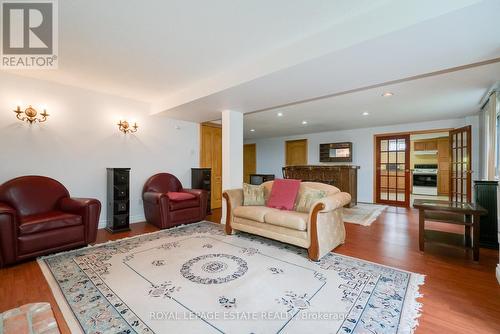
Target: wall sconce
x,y
125,127
30,115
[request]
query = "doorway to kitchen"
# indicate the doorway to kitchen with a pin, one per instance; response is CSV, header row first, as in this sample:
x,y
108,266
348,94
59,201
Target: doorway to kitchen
x,y
434,164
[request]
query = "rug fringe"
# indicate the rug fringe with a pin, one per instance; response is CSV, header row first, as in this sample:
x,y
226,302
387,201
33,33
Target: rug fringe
x,y
412,309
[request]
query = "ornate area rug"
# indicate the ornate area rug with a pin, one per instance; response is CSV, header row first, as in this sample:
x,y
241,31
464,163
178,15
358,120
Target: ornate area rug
x,y
363,213
195,279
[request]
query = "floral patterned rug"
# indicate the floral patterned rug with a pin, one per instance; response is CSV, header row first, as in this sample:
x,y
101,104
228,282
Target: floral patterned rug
x,y
195,279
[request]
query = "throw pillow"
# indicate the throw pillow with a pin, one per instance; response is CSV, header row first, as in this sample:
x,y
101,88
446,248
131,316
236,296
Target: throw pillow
x,y
179,196
253,195
307,198
283,194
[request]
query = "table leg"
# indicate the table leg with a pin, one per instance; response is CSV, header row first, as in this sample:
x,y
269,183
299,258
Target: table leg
x,y
467,235
421,229
475,236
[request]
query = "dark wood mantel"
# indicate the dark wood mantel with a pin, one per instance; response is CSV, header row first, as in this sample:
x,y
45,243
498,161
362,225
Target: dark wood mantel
x,y
344,177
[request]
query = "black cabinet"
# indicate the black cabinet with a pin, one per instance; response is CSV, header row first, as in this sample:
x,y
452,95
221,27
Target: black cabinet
x,y
118,200
257,179
201,178
485,194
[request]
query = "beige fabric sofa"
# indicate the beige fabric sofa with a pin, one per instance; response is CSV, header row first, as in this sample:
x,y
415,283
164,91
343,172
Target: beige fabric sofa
x,y
319,231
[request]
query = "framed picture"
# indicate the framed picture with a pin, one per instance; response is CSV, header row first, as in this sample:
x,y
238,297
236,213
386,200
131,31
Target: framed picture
x,y
335,152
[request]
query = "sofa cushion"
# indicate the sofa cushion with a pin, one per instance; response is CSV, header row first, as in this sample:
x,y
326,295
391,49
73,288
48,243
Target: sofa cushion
x,y
179,196
307,197
255,213
253,195
47,221
283,194
291,219
184,204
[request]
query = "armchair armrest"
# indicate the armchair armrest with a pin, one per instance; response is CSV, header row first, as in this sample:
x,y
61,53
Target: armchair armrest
x,y
77,205
196,192
8,234
6,209
335,201
154,197
89,209
203,196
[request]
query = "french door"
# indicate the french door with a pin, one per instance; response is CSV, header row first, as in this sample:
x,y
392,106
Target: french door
x,y
460,165
393,169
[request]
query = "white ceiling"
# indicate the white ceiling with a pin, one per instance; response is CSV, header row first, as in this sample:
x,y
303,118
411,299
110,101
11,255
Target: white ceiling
x,y
445,96
191,59
149,50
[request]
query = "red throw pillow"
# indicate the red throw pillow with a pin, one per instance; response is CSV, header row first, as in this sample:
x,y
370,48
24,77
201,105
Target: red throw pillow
x,y
283,194
176,197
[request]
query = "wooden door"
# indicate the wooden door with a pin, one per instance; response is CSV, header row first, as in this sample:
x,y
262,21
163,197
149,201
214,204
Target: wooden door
x,y
296,152
211,157
249,161
443,182
460,164
392,159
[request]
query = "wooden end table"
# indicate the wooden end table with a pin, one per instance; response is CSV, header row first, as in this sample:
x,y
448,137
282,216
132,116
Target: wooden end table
x,y
467,214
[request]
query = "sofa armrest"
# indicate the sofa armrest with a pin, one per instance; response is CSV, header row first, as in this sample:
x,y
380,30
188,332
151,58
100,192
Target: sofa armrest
x,y
89,209
234,199
154,197
335,201
8,234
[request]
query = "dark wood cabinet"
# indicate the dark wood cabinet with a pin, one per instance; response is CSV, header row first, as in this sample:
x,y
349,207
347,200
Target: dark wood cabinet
x,y
485,194
201,178
344,177
257,179
118,200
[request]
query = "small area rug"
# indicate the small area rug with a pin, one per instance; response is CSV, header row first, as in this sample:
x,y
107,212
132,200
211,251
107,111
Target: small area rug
x,y
195,279
363,213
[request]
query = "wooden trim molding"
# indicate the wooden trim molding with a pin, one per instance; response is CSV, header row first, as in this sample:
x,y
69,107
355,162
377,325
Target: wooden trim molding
x,y
313,250
228,229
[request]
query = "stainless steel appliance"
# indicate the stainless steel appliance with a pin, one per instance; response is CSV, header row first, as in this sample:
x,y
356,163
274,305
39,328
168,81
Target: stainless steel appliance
x,y
425,179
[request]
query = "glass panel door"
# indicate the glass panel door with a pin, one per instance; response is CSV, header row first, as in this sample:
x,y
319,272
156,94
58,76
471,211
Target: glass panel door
x,y
392,164
460,165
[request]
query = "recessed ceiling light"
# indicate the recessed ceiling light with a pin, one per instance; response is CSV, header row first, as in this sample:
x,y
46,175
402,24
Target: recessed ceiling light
x,y
387,94
304,122
279,114
366,113
252,130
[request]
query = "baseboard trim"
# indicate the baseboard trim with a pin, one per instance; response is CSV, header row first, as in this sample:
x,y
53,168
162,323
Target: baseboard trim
x,y
133,220
498,273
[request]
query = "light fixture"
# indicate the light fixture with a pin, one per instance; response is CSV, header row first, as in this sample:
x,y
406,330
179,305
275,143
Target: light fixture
x,y
387,94
366,113
252,130
304,122
125,127
30,115
279,114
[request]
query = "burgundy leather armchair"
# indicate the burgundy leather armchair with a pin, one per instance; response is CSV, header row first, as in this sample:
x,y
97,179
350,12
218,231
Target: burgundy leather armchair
x,y
37,217
167,203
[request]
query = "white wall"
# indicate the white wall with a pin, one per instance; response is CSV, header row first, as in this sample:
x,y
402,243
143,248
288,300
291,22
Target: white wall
x,y
271,151
80,139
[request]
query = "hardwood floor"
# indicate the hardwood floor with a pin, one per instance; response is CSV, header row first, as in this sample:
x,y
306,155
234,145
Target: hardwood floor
x,y
460,296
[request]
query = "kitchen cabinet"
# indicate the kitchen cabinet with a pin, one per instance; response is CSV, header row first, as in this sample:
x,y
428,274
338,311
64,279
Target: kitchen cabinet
x,y
425,145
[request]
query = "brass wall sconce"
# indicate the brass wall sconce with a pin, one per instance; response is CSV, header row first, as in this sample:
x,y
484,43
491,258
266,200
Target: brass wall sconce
x,y
30,115
125,127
